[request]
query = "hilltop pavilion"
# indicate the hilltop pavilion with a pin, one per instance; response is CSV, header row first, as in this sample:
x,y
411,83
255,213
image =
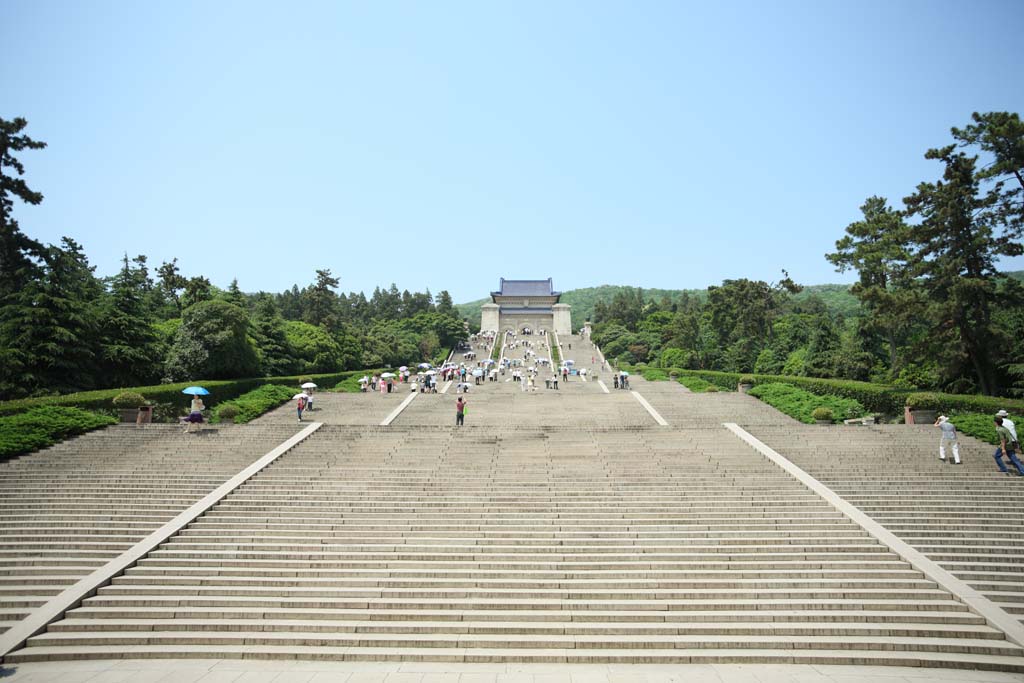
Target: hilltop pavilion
x,y
520,304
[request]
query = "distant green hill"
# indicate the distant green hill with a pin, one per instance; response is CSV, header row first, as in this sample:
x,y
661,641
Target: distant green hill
x,y
837,298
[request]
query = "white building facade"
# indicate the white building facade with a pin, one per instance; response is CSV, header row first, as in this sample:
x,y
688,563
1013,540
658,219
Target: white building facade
x,y
526,304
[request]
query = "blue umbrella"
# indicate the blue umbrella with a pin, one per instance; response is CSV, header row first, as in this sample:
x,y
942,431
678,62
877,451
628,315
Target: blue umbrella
x,y
195,391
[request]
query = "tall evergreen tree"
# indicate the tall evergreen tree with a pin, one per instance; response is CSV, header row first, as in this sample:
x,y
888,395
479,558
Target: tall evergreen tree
x,y
878,248
321,303
129,349
235,296
268,331
172,283
65,337
20,262
960,236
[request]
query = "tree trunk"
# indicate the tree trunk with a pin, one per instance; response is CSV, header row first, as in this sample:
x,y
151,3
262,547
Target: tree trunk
x,y
892,352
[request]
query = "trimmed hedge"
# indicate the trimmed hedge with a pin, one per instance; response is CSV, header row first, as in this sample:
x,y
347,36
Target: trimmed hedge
x,y
801,404
695,384
964,403
877,398
980,425
252,404
220,390
654,374
44,426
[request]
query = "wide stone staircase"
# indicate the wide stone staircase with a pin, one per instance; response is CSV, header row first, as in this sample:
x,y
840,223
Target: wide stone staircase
x,y
71,508
968,518
546,544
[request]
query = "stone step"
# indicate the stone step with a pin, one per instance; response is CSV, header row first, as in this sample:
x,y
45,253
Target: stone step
x,y
975,646
955,615
526,655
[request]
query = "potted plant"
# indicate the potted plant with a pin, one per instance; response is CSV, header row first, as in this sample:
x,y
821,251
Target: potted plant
x,y
127,404
746,383
823,416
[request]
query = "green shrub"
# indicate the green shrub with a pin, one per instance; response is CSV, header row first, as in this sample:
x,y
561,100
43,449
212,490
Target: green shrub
x,y
801,404
694,384
711,389
44,426
252,404
981,426
822,414
227,412
128,399
747,379
654,374
348,386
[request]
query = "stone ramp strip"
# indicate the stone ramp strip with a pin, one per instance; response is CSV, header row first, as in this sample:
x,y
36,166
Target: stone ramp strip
x,y
398,411
555,545
71,593
650,409
969,518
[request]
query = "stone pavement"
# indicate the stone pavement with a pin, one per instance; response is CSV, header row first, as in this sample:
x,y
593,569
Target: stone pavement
x,y
251,671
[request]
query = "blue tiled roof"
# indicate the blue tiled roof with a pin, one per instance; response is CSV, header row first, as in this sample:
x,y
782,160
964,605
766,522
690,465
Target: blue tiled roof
x,y
526,288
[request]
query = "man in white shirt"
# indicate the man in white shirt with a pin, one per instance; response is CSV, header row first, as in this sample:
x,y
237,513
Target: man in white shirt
x,y
948,437
1008,423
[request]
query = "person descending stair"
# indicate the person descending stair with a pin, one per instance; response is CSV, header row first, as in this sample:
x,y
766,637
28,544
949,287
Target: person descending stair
x,y
948,438
460,411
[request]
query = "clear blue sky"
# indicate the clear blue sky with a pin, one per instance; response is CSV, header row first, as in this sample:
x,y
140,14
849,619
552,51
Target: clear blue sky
x,y
444,145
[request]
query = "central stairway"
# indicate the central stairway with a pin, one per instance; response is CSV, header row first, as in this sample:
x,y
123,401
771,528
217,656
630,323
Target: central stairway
x,y
549,544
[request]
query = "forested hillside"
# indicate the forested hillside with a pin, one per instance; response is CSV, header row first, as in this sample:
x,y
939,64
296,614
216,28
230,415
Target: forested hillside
x,y
63,329
930,309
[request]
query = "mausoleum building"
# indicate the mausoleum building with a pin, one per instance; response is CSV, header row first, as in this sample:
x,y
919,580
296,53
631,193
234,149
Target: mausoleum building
x,y
526,304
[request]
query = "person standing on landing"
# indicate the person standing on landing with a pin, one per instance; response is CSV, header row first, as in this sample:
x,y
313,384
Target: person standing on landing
x,y
948,437
195,414
460,412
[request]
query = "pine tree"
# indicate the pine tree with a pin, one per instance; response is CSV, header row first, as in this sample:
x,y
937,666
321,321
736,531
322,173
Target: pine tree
x,y
961,234
129,348
20,263
66,344
267,326
235,296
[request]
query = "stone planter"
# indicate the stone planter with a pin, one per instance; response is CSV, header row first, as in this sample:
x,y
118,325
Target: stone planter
x,y
823,422
917,416
744,388
128,414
